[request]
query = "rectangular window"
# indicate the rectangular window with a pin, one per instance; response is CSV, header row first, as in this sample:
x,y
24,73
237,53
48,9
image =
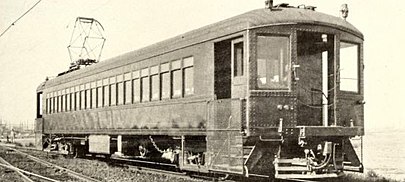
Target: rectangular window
x,y
189,81
145,89
99,97
58,103
93,98
155,87
79,100
349,67
62,103
120,93
238,65
88,99
68,101
46,107
176,83
74,100
273,62
165,80
128,92
47,104
136,90
53,104
50,105
65,102
82,100
113,90
106,100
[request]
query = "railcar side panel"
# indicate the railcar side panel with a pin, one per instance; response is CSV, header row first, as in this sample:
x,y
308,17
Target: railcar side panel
x,y
192,116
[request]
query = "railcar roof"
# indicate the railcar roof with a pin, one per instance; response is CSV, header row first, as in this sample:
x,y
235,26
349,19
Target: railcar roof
x,y
251,19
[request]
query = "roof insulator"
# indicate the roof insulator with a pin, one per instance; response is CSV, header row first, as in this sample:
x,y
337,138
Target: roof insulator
x,y
344,9
268,4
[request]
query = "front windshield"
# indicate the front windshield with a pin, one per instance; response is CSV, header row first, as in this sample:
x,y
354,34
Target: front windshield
x,y
273,62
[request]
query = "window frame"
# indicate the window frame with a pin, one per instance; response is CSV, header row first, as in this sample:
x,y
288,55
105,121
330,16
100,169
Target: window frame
x,y
172,77
165,71
184,68
145,76
234,66
358,85
289,53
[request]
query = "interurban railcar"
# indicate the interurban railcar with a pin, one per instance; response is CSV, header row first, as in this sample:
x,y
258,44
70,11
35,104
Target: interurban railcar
x,y
275,92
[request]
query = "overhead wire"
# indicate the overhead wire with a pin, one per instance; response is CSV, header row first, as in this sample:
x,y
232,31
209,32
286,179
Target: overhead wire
x,y
19,18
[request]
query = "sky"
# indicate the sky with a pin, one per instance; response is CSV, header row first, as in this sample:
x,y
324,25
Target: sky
x,y
36,46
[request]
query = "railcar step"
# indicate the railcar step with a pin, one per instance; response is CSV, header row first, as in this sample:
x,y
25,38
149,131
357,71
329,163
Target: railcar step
x,y
306,176
291,168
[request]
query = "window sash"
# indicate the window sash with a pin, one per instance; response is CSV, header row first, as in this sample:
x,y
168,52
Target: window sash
x,y
189,81
145,89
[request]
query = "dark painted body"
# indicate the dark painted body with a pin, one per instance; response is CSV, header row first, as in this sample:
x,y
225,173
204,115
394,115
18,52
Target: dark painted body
x,y
230,122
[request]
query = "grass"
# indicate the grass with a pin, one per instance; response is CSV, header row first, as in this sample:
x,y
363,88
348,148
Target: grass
x,y
371,176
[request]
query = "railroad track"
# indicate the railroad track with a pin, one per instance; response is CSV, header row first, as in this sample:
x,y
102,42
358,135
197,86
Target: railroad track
x,y
25,164
134,168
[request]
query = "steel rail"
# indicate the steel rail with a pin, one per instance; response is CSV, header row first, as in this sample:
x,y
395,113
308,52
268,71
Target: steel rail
x,y
28,173
150,170
24,177
70,172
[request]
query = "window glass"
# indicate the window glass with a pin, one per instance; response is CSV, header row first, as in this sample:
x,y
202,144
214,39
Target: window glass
x,y
273,62
57,103
154,70
155,87
188,81
74,101
53,104
113,90
188,62
128,92
50,105
46,107
68,102
238,59
99,96
120,93
82,100
177,83
165,77
349,61
93,98
137,90
106,95
164,67
62,103
176,64
145,89
88,98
